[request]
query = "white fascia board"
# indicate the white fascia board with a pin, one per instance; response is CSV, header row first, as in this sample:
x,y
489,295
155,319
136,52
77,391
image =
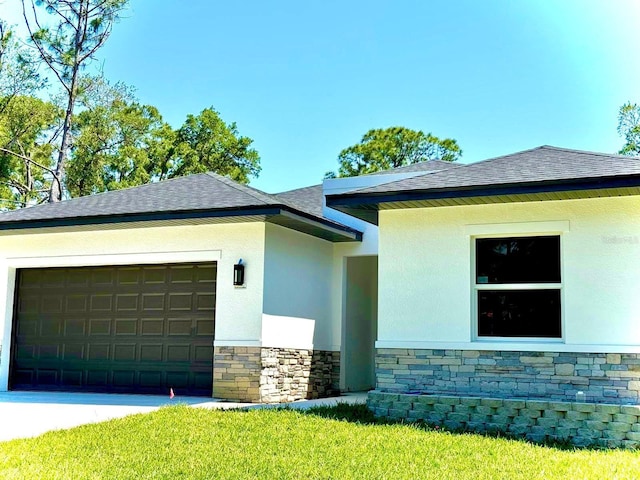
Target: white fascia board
x,y
335,186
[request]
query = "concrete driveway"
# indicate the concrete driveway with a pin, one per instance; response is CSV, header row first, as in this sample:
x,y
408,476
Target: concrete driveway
x,y
29,414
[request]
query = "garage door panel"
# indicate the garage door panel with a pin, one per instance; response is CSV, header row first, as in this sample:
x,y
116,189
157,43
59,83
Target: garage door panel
x,y
73,352
50,326
154,276
47,377
76,303
72,378
202,380
206,274
100,327
124,378
97,378
178,379
51,304
53,279
101,303
127,302
179,353
180,302
205,302
179,327
28,304
204,328
152,326
124,352
102,277
78,279
49,352
99,352
150,379
151,353
28,327
127,329
202,353
153,302
129,276
126,326
25,352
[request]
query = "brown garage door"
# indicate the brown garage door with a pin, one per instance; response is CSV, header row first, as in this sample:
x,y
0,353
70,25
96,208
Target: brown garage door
x,y
127,329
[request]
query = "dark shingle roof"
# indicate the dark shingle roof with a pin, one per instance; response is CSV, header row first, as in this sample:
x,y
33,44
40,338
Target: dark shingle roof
x,y
536,165
428,166
307,199
201,195
311,199
543,173
193,192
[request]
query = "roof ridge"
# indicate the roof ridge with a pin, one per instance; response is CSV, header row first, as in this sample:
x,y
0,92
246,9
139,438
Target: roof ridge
x,y
491,159
106,192
500,157
590,152
296,189
254,192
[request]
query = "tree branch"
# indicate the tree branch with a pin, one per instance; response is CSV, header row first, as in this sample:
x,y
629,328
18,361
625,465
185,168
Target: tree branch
x,y
44,55
27,159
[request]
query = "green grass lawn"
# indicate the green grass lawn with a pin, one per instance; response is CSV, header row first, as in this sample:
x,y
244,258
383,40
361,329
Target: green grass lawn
x,y
181,442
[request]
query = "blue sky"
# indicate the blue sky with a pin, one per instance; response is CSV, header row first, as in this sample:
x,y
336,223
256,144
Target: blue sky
x,y
307,79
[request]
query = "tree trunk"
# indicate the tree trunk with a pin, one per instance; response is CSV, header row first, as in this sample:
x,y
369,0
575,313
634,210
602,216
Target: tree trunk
x,y
55,191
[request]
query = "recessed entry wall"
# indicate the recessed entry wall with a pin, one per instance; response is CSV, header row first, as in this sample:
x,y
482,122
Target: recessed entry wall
x,y
360,322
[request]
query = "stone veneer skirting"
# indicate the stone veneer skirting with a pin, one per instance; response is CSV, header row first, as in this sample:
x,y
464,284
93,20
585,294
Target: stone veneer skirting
x,y
583,424
602,378
274,375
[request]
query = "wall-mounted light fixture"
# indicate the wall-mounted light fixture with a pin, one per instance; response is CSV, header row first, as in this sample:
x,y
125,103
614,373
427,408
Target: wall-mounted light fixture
x,y
238,274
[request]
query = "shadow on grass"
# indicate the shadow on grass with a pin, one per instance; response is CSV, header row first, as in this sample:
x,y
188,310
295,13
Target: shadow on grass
x,y
360,413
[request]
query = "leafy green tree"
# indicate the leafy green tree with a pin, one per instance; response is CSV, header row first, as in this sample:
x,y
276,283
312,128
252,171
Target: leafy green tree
x,y
382,149
205,143
629,128
18,68
80,28
116,143
26,125
28,129
99,137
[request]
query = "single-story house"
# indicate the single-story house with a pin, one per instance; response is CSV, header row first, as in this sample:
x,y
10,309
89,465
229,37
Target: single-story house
x,y
140,291
510,289
472,294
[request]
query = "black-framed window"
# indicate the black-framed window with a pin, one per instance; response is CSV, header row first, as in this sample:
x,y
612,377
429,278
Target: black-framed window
x,y
518,287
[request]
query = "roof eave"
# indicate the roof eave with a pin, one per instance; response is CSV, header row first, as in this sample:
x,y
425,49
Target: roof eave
x,y
277,214
366,205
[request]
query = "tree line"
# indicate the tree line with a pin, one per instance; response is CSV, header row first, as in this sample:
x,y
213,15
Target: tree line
x,y
67,133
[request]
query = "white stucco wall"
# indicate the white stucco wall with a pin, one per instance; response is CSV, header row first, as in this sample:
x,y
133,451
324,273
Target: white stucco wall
x,y
238,310
297,285
425,267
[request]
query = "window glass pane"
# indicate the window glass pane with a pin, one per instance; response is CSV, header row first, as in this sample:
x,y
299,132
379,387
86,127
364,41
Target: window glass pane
x,y
519,313
518,260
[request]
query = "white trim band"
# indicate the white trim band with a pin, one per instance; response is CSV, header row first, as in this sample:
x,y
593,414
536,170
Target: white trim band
x,y
510,346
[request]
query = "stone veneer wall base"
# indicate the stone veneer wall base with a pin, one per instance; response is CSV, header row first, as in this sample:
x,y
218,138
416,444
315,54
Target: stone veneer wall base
x,y
564,376
274,375
582,424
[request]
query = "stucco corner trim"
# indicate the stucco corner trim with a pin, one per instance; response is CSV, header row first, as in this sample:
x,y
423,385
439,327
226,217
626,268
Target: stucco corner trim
x,y
287,332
